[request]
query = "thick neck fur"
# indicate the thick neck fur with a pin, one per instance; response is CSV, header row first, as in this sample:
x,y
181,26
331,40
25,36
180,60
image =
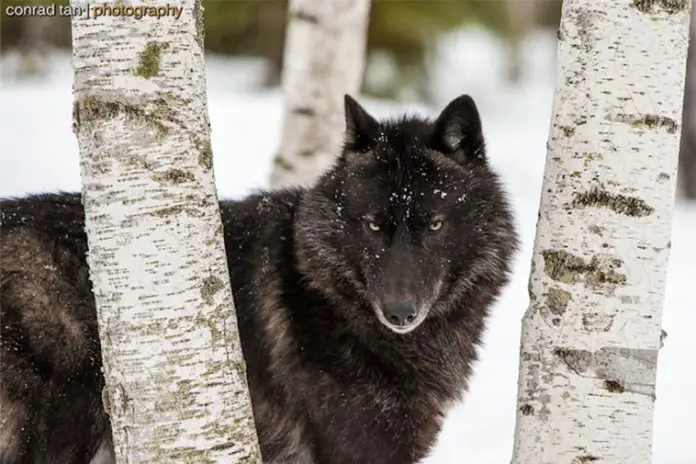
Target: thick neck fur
x,y
307,333
328,325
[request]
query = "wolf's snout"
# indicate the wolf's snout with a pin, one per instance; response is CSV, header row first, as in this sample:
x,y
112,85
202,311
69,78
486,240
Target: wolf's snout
x,y
400,312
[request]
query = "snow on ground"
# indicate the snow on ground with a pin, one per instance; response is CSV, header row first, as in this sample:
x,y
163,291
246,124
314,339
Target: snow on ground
x,y
38,152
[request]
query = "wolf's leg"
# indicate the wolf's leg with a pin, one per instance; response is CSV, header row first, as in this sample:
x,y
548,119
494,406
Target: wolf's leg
x,y
105,453
50,366
46,416
15,412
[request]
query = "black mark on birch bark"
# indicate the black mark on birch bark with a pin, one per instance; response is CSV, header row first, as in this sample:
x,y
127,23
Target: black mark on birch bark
x,y
595,229
613,386
211,285
174,210
578,361
621,369
175,176
568,131
649,121
654,6
304,16
597,321
527,409
282,164
584,21
584,459
304,111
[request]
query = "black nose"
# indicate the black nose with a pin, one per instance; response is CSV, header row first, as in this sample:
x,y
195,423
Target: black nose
x,y
400,312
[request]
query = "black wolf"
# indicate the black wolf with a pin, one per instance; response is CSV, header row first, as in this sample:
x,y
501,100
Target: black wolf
x,y
361,300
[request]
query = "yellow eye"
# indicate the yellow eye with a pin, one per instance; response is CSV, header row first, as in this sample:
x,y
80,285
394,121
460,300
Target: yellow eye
x,y
435,225
373,226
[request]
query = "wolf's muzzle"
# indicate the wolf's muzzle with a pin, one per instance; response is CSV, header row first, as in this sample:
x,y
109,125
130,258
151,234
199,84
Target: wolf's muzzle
x,y
400,312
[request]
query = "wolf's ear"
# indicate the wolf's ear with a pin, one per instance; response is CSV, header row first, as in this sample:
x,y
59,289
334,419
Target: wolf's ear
x,y
361,128
457,131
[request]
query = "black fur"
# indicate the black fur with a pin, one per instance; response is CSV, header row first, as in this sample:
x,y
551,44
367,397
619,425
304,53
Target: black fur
x,y
361,301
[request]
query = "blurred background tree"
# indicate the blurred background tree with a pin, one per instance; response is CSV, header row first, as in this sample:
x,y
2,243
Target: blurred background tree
x,y
402,34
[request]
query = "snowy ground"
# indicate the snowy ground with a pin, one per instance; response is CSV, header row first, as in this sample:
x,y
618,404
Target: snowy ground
x,y
38,152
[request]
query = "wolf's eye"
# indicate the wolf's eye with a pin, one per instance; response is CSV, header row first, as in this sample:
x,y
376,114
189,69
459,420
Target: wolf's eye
x,y
373,226
435,225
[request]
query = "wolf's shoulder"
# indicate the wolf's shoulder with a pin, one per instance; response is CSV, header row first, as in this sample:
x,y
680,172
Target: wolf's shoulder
x,y
42,230
60,213
260,213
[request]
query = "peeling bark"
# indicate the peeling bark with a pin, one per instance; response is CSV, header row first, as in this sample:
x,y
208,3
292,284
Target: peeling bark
x,y
324,59
176,387
591,335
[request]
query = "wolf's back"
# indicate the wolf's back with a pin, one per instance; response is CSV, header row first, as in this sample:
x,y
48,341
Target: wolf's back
x,y
50,360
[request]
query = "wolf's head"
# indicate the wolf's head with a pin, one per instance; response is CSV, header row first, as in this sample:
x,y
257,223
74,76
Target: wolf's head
x,y
410,220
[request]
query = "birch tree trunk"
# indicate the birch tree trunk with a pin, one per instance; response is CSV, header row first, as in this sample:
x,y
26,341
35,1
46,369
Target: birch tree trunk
x,y
176,380
324,59
34,44
591,334
521,18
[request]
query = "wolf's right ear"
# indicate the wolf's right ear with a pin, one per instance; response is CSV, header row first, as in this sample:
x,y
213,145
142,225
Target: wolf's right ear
x,y
457,131
361,128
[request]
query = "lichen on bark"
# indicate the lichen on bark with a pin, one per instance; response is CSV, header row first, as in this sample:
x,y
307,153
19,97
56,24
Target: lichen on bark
x,y
557,300
90,110
621,204
149,60
211,285
599,273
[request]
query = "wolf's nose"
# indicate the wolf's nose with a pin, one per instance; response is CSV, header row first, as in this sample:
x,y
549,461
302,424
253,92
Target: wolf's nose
x,y
400,312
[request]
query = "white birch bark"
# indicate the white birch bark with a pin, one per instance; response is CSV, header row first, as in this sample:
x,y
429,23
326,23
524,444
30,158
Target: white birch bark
x,y
324,59
591,334
176,382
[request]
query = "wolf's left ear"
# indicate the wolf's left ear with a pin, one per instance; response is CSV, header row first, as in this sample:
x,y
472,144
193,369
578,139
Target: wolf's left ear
x,y
361,128
457,131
